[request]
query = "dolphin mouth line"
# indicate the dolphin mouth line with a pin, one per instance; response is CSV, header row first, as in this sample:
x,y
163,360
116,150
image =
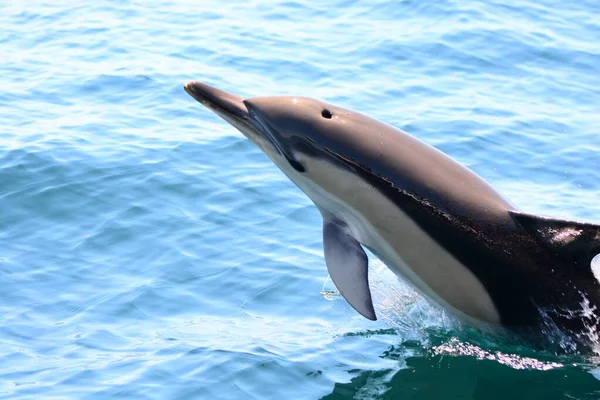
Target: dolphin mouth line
x,y
219,101
268,133
228,105
255,120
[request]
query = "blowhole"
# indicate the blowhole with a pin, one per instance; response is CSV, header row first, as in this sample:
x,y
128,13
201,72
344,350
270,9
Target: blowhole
x,y
326,114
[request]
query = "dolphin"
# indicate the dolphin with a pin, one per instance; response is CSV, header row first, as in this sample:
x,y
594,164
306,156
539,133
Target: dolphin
x,y
430,219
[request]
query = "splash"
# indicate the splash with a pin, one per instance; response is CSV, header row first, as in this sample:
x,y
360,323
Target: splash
x,y
455,347
397,304
590,333
329,291
595,265
590,323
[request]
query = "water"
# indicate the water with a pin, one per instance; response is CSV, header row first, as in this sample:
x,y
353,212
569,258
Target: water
x,y
147,250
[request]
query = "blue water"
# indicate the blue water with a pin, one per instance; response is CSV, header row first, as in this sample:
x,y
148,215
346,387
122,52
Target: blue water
x,y
148,250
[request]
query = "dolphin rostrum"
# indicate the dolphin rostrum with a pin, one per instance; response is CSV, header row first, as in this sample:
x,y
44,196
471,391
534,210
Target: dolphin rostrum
x,y
430,219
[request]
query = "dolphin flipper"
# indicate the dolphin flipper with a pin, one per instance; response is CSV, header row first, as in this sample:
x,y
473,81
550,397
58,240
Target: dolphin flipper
x,y
347,265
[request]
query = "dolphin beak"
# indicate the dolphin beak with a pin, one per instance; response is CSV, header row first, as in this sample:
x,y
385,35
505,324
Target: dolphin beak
x,y
219,101
234,110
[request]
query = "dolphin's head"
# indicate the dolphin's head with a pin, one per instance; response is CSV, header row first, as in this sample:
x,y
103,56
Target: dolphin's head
x,y
315,144
284,127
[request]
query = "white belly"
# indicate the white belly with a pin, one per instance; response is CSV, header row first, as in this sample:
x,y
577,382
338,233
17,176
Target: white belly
x,y
402,245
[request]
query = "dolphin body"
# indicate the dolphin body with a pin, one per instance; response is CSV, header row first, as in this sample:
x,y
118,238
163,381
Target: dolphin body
x,y
427,217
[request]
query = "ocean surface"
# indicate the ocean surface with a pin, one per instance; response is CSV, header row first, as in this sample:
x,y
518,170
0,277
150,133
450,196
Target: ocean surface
x,y
149,251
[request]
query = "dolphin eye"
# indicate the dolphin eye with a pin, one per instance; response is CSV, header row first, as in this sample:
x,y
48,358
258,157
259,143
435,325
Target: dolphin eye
x,y
326,114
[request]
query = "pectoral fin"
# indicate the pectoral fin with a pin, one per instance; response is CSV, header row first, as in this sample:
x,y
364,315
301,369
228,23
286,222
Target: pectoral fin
x,y
347,264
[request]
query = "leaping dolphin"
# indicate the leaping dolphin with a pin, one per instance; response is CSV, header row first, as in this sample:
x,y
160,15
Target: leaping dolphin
x,y
430,219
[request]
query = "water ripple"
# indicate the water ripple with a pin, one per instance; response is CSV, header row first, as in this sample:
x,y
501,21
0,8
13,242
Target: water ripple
x,y
149,251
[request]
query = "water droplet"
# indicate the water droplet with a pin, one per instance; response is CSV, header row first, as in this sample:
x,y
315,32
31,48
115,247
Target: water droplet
x,y
329,291
595,264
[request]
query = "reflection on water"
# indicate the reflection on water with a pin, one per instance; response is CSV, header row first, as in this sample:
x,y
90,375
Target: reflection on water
x,y
469,373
